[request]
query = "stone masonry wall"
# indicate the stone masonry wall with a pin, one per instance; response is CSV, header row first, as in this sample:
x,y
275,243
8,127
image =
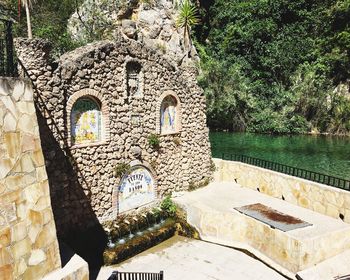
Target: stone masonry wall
x,y
82,178
320,198
28,242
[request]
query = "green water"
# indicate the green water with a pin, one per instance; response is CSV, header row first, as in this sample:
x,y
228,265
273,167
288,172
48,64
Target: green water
x,y
324,154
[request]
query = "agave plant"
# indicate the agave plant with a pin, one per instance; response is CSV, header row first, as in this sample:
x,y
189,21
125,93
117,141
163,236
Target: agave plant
x,y
188,17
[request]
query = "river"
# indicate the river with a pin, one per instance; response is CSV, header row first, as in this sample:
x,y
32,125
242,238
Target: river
x,y
324,154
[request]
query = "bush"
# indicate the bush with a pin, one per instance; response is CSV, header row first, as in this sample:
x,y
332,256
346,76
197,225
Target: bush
x,y
153,141
121,169
168,206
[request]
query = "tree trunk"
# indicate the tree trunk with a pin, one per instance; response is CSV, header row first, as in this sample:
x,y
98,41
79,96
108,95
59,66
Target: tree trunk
x,y
187,38
29,25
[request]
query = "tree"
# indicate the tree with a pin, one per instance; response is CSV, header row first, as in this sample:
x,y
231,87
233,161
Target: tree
x,y
187,18
290,54
27,4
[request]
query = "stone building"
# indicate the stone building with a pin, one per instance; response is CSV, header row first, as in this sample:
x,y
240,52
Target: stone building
x,y
104,107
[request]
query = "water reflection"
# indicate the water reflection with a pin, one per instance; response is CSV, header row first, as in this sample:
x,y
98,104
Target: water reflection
x,y
324,154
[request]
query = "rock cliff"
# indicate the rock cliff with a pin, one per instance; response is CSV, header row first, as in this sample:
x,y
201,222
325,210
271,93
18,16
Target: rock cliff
x,y
152,22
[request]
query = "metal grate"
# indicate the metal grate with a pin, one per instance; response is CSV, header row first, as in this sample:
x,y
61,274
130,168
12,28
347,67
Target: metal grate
x,y
116,275
7,59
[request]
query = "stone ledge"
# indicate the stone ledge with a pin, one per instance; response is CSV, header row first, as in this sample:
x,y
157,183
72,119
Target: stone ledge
x,y
332,268
76,268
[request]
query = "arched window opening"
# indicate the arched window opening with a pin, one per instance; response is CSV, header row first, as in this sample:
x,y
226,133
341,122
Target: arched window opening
x,y
133,71
86,121
169,115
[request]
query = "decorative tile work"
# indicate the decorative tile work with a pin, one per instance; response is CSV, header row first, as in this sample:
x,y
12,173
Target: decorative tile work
x,y
136,189
88,123
85,121
169,113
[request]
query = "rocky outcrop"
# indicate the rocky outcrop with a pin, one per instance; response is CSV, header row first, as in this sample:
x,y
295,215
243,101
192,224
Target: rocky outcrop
x,y
150,22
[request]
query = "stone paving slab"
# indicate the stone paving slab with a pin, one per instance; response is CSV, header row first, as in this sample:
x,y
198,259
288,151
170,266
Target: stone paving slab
x,y
211,211
336,268
188,259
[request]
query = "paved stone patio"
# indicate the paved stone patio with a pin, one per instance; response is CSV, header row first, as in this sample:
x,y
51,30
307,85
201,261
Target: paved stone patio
x,y
211,211
188,259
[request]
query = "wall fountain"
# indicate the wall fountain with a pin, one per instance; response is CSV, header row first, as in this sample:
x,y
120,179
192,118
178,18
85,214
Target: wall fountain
x,y
135,234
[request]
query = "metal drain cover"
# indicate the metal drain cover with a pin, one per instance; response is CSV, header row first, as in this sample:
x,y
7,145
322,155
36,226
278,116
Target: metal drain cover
x,y
272,217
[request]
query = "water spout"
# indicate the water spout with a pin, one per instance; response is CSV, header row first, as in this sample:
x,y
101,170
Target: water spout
x,y
145,216
156,223
130,233
120,240
138,232
161,219
151,212
110,243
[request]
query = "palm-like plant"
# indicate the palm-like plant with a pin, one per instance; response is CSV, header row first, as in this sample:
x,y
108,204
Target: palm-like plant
x,y
188,17
27,4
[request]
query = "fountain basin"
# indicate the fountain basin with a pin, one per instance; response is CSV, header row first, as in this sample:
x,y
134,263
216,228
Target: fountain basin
x,y
148,239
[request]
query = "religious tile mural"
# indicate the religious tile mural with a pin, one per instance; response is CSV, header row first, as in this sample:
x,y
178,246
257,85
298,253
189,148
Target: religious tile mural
x,y
137,188
85,121
168,113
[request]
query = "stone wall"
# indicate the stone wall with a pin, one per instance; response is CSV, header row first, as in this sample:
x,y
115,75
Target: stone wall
x,y
82,177
320,198
28,242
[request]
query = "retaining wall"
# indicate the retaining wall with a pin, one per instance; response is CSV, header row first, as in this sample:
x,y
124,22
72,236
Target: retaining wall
x,y
320,198
28,242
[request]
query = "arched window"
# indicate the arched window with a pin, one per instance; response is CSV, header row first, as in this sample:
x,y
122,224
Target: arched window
x,y
86,121
169,120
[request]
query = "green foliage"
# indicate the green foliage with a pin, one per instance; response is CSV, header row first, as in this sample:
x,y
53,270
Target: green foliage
x,y
191,186
149,3
49,21
272,66
228,93
121,169
169,206
94,21
187,18
154,141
